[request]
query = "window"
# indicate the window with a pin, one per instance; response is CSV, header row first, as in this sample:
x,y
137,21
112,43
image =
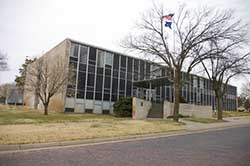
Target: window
x,y
100,58
83,54
99,80
129,87
80,94
91,79
82,67
107,82
122,85
123,61
147,70
74,50
195,82
108,72
72,78
136,65
98,96
129,65
106,97
109,58
114,86
81,80
92,54
116,62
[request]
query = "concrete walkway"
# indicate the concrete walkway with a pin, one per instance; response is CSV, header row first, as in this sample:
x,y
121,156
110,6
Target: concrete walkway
x,y
190,128
230,122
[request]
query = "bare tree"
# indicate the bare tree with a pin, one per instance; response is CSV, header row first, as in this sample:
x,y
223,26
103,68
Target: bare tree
x,y
192,30
47,77
3,62
245,90
5,91
227,61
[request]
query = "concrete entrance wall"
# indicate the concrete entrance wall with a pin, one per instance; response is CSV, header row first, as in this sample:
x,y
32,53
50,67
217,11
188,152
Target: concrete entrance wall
x,y
140,108
199,111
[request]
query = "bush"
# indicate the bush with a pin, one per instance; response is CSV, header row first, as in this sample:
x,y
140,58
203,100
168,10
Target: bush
x,y
123,107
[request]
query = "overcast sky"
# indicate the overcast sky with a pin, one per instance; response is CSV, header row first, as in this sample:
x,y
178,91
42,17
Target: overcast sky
x,y
32,27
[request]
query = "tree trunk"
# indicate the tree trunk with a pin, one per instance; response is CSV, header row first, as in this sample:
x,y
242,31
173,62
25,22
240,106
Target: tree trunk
x,y
176,96
219,106
46,109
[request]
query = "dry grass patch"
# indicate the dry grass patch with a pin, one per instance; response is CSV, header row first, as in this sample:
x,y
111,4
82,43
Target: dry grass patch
x,y
99,128
204,120
21,125
235,113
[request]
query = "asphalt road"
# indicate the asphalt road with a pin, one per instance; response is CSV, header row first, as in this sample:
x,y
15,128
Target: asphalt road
x,y
229,147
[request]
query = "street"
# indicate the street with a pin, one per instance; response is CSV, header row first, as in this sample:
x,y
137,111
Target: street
x,y
230,147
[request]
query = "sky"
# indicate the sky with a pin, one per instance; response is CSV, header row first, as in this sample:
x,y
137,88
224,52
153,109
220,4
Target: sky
x,y
32,27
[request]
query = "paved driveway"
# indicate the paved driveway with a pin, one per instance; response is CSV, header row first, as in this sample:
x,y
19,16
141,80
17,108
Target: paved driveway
x,y
230,147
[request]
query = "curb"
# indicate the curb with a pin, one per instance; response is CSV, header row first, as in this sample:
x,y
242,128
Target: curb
x,y
99,141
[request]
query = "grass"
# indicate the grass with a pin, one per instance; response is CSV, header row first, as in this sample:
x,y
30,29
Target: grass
x,y
20,125
204,120
235,114
23,115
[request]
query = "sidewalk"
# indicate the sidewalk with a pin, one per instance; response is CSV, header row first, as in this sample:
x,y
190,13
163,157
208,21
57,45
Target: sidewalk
x,y
230,122
190,128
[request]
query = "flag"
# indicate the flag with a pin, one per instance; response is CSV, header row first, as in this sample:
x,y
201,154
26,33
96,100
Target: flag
x,y
168,19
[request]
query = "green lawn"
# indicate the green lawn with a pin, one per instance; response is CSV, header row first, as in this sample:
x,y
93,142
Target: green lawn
x,y
204,120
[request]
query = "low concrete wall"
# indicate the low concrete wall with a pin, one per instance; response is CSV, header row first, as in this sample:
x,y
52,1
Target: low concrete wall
x,y
140,108
199,111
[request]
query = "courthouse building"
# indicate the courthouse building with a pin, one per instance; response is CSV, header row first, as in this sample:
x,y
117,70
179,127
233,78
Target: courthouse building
x,y
102,76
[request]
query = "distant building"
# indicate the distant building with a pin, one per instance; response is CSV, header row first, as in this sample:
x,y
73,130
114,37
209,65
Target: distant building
x,y
15,97
103,76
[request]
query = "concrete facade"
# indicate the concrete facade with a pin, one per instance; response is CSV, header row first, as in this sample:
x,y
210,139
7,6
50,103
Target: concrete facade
x,y
198,111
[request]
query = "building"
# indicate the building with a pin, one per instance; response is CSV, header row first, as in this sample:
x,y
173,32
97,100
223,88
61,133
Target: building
x,y
16,97
103,76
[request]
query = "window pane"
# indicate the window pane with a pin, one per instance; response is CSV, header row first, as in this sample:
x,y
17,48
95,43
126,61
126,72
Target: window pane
x,y
129,65
92,54
72,78
107,82
136,64
81,80
80,94
123,61
108,72
82,67
100,58
109,58
122,84
106,97
98,96
74,50
91,79
116,62
91,69
128,90
99,83
89,95
114,86
83,54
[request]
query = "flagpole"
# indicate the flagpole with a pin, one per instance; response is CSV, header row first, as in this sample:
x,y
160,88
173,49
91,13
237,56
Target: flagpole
x,y
174,56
